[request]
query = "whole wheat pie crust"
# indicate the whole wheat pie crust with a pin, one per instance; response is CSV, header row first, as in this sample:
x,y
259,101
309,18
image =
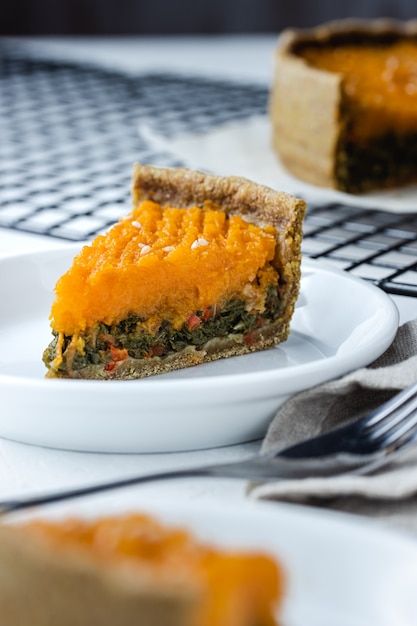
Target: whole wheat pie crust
x,y
131,570
343,104
204,267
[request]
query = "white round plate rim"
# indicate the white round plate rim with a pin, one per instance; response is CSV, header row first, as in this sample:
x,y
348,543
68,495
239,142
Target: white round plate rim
x,y
330,559
250,399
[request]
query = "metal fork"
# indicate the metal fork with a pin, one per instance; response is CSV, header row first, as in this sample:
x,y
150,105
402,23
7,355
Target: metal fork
x,y
360,447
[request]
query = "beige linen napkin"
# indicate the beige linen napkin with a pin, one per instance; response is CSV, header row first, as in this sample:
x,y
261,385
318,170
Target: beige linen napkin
x,y
390,493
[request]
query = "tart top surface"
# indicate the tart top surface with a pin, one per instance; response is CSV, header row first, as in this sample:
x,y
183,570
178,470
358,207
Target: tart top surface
x,y
163,263
380,80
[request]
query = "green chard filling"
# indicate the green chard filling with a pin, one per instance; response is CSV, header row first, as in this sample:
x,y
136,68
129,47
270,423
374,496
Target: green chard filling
x,y
105,345
385,162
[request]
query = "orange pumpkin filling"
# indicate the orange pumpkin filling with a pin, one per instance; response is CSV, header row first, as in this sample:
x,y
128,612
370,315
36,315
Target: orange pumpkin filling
x,y
233,588
163,263
380,83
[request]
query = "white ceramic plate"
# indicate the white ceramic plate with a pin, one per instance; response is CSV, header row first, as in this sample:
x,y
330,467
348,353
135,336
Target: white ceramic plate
x,y
341,570
340,323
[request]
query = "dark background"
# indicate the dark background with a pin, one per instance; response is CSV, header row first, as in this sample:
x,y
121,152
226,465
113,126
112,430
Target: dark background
x,y
170,17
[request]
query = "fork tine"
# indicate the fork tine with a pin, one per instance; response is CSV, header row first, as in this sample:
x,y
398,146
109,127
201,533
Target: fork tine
x,y
384,412
366,436
393,421
402,429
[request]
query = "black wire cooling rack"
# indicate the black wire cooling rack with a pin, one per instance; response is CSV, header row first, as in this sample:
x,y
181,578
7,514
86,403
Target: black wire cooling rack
x,y
68,139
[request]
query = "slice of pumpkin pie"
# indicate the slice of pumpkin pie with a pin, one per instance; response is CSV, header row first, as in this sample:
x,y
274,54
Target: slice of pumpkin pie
x,y
129,570
204,267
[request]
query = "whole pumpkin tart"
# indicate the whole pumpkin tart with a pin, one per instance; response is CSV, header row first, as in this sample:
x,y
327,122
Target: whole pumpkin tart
x,y
344,104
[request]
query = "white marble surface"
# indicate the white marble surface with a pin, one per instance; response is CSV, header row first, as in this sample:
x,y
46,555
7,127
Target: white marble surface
x,y
27,469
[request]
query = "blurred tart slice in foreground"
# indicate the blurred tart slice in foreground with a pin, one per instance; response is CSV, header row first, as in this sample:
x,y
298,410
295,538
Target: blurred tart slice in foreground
x,y
204,267
344,104
130,570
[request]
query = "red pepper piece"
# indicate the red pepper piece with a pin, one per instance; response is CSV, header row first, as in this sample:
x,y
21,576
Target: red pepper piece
x,y
193,321
117,354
